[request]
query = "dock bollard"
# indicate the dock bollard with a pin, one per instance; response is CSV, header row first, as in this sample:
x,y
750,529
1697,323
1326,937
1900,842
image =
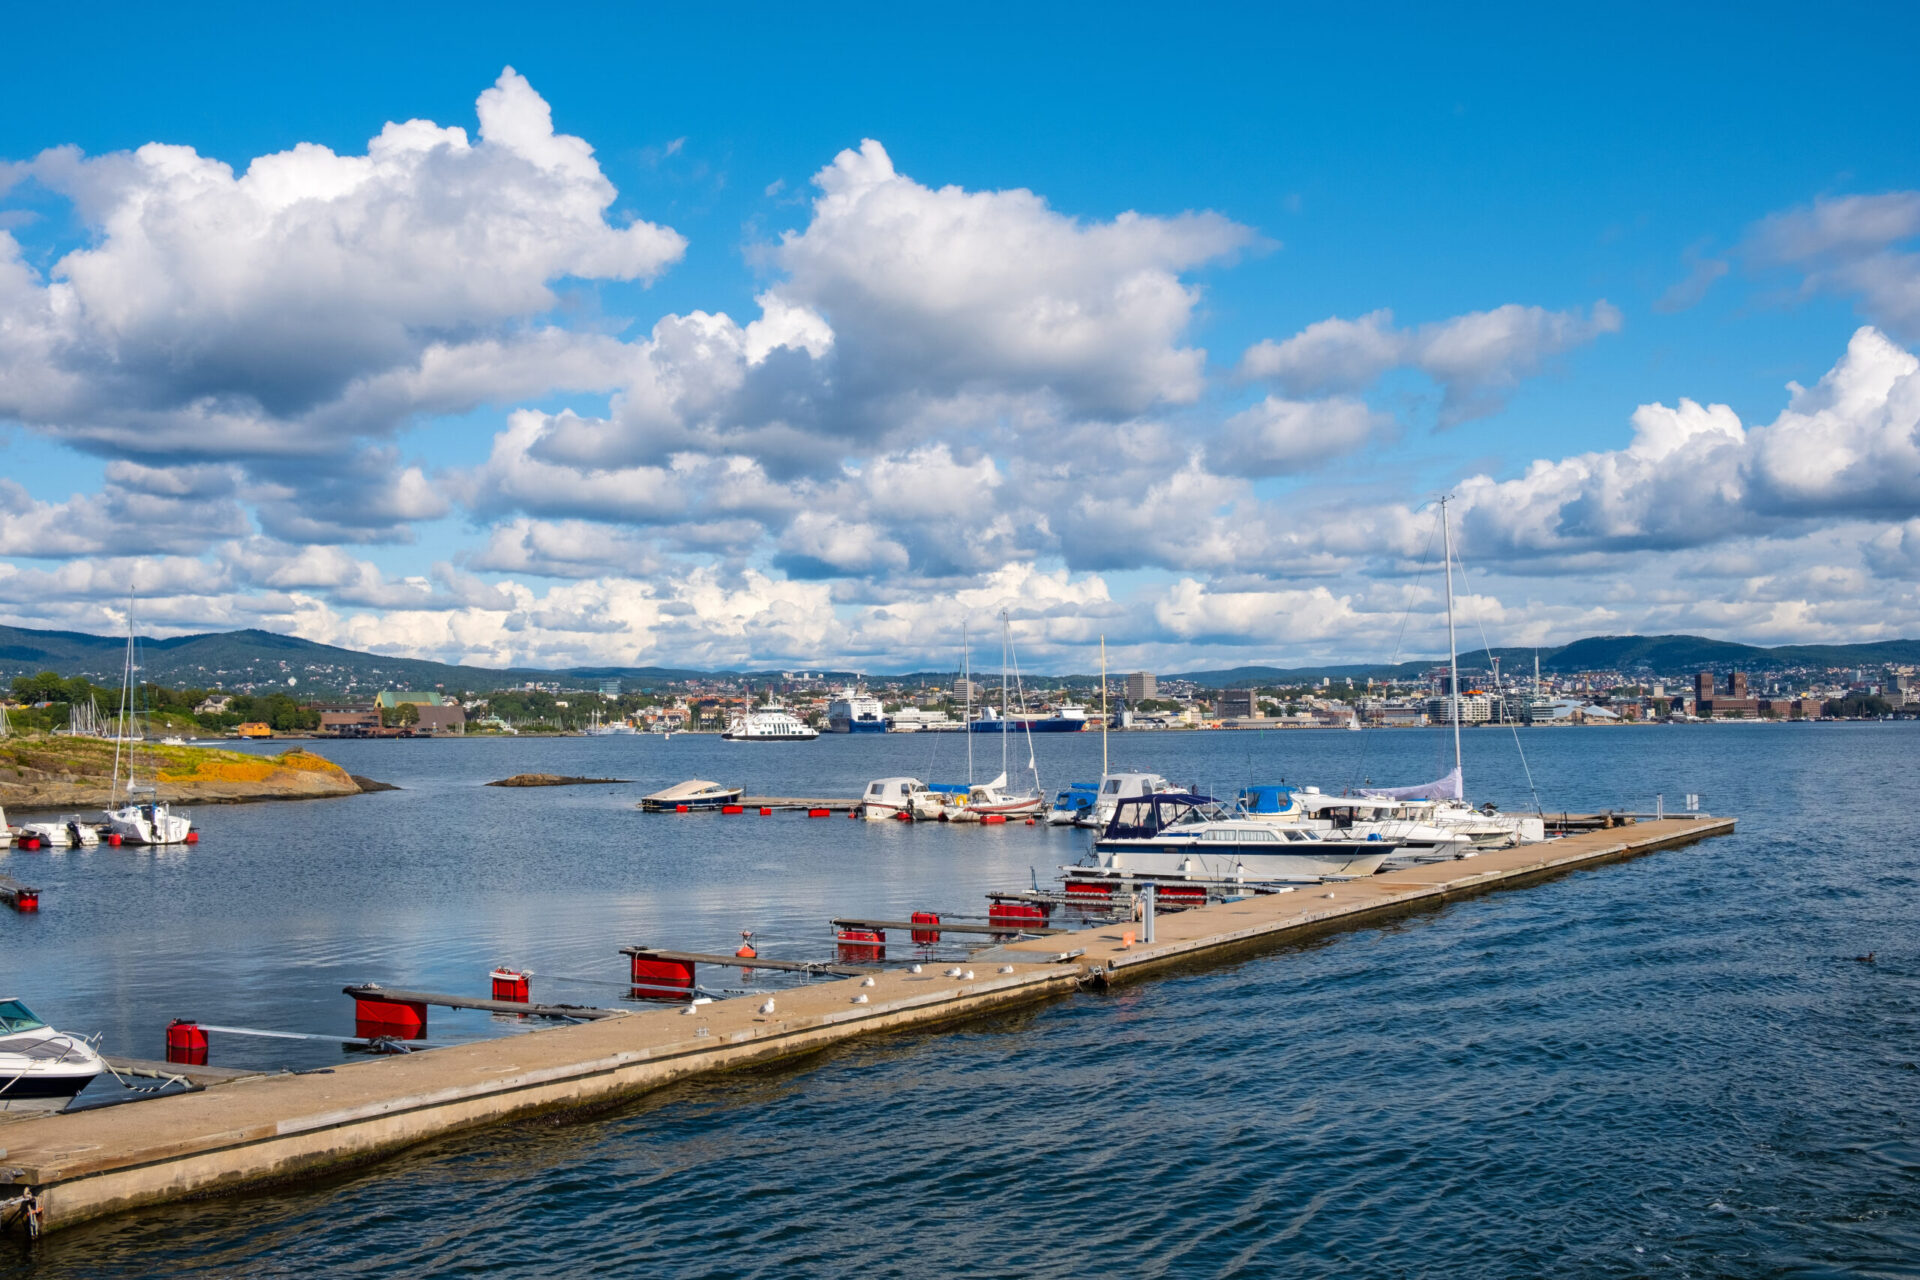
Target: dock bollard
x,y
1147,896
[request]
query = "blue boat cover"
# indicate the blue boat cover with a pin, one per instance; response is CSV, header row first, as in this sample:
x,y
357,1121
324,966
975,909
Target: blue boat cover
x,y
1266,799
950,788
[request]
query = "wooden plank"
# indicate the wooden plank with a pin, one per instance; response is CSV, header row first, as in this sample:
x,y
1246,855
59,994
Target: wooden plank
x,y
757,962
941,927
401,996
200,1076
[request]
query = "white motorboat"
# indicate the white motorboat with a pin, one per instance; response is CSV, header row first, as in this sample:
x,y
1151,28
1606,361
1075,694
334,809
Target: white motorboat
x,y
40,1069
771,723
694,793
65,833
1180,835
1353,817
891,797
148,822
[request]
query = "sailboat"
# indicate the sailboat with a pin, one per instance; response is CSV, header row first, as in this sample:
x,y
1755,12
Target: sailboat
x,y
136,813
1442,802
995,798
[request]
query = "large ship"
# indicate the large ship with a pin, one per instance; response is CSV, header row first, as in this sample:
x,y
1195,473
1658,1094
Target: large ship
x,y
1066,718
856,712
771,723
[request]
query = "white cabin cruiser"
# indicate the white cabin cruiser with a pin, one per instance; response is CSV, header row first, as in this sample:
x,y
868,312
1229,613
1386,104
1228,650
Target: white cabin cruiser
x,y
891,797
1180,835
771,723
1353,817
40,1069
694,793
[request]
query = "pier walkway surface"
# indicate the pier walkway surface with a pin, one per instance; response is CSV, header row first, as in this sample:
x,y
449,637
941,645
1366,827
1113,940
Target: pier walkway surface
x,y
58,1170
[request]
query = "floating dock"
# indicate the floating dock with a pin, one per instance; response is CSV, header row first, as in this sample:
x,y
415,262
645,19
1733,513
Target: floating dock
x,y
58,1170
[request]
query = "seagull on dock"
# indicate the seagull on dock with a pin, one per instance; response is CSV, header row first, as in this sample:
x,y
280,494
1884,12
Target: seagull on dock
x,y
768,1006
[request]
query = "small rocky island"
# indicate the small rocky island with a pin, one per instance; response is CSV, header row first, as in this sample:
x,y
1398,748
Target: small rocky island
x,y
552,780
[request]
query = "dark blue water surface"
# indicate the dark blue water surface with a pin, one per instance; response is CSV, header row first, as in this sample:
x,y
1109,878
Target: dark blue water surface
x,y
1671,1066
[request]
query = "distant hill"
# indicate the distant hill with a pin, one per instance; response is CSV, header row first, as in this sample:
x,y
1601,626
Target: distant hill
x,y
1657,655
252,659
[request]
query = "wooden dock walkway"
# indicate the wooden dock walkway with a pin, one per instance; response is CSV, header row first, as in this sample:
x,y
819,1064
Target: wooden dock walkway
x,y
59,1170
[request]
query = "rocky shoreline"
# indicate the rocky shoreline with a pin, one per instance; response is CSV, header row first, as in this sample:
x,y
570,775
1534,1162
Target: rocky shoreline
x,y
66,773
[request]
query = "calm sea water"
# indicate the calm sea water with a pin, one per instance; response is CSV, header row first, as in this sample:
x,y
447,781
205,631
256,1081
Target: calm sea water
x,y
1672,1066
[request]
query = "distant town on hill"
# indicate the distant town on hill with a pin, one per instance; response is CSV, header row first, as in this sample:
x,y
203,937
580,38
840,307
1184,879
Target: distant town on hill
x,y
251,660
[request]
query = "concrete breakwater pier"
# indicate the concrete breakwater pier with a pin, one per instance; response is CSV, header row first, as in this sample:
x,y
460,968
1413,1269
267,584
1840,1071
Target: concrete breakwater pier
x,y
59,1170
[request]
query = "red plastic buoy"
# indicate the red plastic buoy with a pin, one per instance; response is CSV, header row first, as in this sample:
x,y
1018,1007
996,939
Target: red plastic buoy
x,y
114,839
186,1043
31,842
819,813
26,901
994,817
766,813
681,808
193,837
1029,821
732,808
511,985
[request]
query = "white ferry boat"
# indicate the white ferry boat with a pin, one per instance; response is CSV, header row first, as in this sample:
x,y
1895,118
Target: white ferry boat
x,y
771,723
856,712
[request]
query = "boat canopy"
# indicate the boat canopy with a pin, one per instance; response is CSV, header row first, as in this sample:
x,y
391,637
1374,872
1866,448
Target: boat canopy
x,y
949,788
1143,817
1447,788
1268,799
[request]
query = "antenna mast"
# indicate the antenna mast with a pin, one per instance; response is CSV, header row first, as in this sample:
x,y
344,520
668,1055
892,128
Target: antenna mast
x,y
1105,719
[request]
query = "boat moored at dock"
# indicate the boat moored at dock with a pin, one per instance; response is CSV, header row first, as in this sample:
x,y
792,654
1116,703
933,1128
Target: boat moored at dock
x,y
695,793
896,797
40,1069
1182,834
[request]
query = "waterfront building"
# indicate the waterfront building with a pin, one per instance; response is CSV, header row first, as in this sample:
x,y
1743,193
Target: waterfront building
x,y
1475,708
1140,686
1237,704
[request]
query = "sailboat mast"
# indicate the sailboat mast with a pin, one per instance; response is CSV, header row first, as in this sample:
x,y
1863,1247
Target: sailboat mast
x,y
966,679
1006,633
1453,652
1104,717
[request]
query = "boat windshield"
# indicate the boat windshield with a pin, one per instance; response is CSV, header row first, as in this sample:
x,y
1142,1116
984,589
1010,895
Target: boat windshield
x,y
16,1017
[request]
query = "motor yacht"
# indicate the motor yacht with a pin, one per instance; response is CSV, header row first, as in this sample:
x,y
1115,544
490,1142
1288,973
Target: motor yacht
x,y
40,1069
1181,835
1115,787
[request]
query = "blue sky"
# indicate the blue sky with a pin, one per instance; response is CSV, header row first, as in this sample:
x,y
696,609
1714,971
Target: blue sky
x,y
1567,216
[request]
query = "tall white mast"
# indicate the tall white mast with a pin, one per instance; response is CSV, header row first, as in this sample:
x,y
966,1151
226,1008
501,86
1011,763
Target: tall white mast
x,y
1006,635
966,679
1104,717
1453,655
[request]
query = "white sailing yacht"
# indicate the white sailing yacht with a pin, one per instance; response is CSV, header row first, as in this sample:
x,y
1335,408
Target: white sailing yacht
x,y
1442,802
995,798
136,813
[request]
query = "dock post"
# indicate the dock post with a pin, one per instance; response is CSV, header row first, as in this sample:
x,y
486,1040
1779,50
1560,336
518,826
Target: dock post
x,y
1147,896
1660,807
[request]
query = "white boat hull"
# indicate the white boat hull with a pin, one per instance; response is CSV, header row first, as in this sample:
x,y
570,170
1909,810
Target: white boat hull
x,y
1297,863
149,824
